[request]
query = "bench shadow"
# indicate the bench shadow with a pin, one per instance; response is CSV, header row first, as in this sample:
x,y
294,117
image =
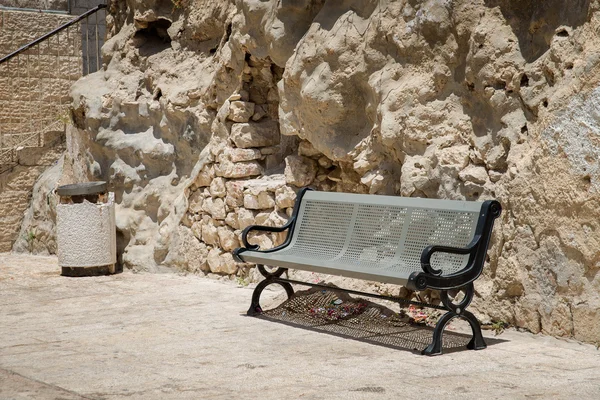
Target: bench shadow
x,y
362,320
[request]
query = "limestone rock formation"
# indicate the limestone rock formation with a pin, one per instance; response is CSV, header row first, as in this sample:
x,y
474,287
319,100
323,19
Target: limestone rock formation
x,y
209,115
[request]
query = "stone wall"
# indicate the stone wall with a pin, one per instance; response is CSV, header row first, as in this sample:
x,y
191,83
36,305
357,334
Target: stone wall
x,y
34,86
54,5
210,114
34,92
16,186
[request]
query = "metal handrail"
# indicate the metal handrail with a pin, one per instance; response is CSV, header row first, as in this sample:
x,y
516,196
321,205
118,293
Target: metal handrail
x,y
16,147
28,136
54,32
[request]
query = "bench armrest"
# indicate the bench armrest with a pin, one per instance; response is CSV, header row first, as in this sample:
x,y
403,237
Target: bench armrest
x,y
288,225
254,247
250,228
431,250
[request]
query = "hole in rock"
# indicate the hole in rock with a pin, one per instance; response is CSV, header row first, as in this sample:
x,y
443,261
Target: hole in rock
x,y
500,85
545,103
154,38
562,33
524,80
227,33
524,128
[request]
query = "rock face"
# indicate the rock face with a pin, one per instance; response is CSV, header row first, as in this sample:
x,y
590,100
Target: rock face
x,y
210,114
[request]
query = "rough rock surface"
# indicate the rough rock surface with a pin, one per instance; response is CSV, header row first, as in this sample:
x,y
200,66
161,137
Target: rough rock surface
x,y
438,98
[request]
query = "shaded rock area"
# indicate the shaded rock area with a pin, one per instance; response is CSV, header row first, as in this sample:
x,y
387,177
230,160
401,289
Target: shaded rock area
x,y
210,115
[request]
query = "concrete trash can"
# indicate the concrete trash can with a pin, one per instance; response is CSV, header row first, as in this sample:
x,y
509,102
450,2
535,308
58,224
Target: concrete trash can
x,y
86,230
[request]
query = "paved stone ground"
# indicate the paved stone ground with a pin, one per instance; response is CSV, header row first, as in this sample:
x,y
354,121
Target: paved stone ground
x,y
166,336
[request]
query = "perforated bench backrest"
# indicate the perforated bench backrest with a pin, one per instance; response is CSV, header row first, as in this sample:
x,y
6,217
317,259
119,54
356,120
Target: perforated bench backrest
x,y
382,232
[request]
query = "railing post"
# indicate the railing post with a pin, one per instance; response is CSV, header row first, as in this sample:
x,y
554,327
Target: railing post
x,y
87,44
97,43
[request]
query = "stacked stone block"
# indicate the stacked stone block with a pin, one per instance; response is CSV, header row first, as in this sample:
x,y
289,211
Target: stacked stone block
x,y
253,178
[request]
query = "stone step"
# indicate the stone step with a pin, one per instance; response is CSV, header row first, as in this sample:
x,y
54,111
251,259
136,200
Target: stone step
x,y
31,154
53,136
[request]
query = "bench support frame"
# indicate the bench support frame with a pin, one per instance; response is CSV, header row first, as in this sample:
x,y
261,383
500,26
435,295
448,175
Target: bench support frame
x,y
435,348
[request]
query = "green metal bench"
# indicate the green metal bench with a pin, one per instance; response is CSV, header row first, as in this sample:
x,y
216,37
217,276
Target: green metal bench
x,y
419,243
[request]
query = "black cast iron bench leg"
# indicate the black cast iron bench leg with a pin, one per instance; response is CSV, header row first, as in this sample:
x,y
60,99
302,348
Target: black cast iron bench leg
x,y
477,342
271,277
456,310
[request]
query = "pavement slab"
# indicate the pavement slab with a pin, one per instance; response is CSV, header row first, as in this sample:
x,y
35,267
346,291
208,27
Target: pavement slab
x,y
171,336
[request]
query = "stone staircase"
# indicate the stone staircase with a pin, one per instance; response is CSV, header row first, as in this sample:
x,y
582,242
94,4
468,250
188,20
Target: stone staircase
x,y
35,81
20,167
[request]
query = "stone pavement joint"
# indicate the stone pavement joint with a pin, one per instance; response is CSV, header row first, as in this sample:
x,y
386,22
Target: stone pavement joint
x,y
168,336
13,385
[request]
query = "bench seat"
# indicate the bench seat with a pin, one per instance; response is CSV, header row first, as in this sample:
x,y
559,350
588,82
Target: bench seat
x,y
379,238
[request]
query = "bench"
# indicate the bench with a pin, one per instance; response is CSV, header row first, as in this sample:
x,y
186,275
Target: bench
x,y
418,243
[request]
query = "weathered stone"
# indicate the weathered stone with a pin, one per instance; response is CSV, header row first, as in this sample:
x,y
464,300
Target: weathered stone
x,y
237,155
335,175
217,187
285,197
255,134
495,176
195,202
263,200
263,240
221,263
215,207
227,238
305,148
270,150
260,112
235,194
325,162
239,170
265,184
262,217
474,173
197,229
205,177
456,157
210,233
496,158
245,218
241,111
300,171
473,189
375,180
251,202
232,220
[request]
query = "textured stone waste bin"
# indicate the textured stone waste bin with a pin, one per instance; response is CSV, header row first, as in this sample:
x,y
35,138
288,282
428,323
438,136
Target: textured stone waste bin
x,y
86,230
